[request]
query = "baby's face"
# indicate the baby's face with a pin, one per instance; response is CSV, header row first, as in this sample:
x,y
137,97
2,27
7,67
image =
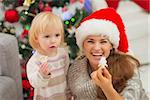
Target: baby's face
x,y
49,42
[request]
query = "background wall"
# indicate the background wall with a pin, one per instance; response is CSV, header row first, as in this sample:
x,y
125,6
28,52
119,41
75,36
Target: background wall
x,y
137,24
136,16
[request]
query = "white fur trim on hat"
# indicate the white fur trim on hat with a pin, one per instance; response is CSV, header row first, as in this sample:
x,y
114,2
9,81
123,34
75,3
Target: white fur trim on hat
x,y
97,27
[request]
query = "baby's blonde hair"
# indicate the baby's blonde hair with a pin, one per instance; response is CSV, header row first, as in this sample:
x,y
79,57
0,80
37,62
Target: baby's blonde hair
x,y
42,23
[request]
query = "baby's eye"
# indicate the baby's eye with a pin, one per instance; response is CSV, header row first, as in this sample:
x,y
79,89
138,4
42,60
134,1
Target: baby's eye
x,y
57,35
46,36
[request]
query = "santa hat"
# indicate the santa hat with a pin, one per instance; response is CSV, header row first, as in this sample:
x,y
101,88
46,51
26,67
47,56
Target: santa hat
x,y
106,22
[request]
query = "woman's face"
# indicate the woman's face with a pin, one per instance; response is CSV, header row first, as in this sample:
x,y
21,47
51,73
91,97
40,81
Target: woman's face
x,y
96,46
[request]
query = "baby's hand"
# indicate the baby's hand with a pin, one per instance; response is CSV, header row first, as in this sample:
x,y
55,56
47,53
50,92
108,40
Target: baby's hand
x,y
102,63
44,69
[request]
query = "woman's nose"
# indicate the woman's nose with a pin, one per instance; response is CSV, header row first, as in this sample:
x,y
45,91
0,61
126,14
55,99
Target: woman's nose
x,y
97,46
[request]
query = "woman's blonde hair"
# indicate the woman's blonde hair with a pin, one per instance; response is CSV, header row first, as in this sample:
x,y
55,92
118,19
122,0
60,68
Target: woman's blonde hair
x,y
42,23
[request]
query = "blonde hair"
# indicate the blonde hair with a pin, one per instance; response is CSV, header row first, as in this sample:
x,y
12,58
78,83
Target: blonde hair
x,y
43,22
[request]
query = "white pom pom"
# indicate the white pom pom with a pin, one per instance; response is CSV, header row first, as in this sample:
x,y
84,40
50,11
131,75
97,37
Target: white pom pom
x,y
98,4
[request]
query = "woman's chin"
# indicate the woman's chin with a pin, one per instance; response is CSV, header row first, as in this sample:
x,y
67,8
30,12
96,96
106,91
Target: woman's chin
x,y
95,61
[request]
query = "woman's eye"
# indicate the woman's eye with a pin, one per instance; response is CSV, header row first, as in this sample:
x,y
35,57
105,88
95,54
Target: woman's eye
x,y
105,41
89,41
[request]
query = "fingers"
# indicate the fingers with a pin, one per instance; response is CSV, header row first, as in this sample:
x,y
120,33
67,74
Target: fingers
x,y
102,78
44,69
103,73
95,78
100,73
107,74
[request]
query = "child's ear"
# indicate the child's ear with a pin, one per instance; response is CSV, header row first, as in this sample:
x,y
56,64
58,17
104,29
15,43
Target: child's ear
x,y
36,40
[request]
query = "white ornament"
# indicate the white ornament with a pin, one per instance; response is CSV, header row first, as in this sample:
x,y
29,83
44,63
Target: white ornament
x,y
23,46
18,28
71,10
103,63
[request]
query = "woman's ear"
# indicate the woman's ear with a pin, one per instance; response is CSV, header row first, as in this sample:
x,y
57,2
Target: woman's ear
x,y
112,46
112,51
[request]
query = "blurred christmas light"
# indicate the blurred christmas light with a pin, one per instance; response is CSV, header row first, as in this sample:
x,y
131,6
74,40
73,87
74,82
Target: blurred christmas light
x,y
73,19
26,12
23,46
66,22
27,27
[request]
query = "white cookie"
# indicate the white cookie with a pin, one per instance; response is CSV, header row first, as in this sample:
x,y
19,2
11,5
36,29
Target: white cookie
x,y
103,62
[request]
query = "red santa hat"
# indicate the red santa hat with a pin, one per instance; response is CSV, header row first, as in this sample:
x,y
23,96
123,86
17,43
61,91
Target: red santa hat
x,y
106,22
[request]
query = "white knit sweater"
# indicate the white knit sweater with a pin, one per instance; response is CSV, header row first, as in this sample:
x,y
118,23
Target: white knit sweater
x,y
53,87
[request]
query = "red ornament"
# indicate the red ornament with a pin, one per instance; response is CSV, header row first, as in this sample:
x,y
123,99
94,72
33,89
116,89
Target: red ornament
x,y
41,5
72,1
31,92
25,33
24,75
47,8
64,9
26,85
113,3
11,16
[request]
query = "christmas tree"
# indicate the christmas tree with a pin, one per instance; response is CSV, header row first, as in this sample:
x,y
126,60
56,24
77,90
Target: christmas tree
x,y
17,16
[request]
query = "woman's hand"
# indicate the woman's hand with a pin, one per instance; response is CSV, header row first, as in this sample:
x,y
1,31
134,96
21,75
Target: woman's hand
x,y
102,78
44,69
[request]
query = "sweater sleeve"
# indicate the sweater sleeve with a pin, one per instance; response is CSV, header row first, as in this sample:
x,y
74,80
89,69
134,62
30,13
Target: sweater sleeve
x,y
80,84
34,77
67,62
134,89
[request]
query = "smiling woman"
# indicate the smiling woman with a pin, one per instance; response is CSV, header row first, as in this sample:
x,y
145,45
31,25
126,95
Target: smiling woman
x,y
102,34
